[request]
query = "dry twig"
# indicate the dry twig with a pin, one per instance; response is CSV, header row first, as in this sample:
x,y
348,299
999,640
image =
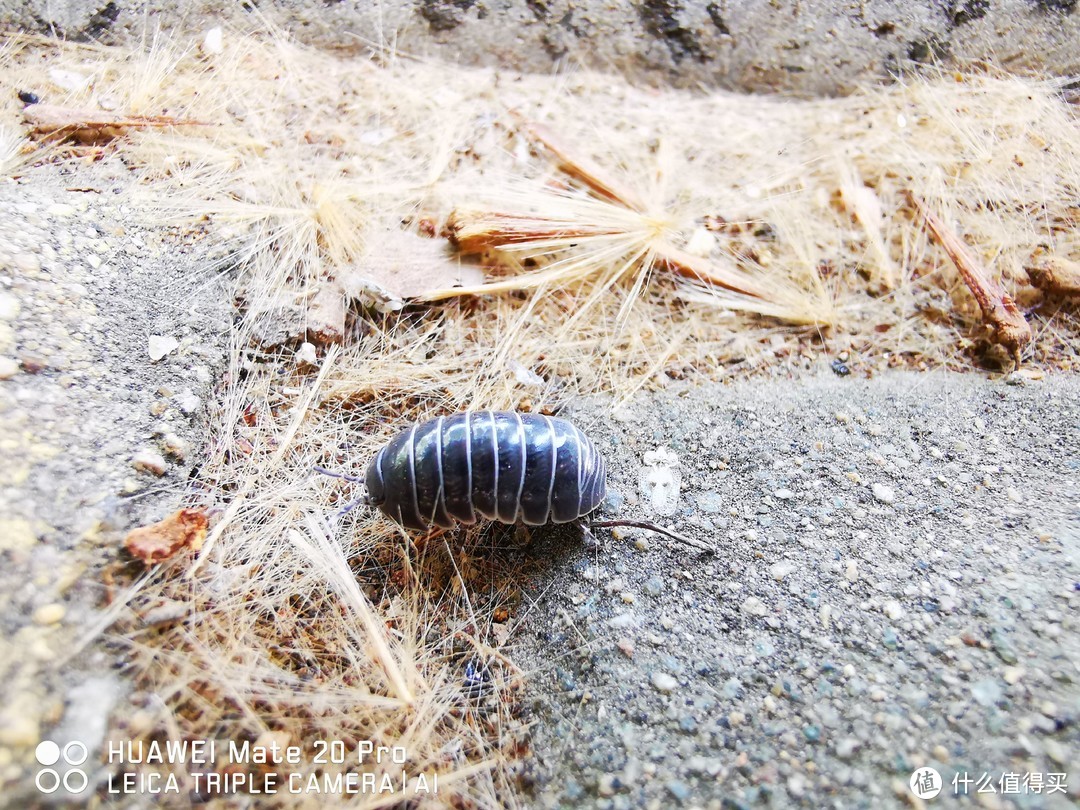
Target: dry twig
x,y
999,310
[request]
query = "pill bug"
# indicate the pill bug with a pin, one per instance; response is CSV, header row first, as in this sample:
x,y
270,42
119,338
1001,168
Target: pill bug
x,y
501,465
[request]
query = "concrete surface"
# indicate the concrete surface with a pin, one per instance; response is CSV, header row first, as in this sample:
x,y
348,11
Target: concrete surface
x,y
897,585
803,47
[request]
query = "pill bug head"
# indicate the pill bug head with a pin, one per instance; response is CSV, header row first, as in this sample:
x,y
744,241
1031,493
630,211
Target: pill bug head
x,y
373,480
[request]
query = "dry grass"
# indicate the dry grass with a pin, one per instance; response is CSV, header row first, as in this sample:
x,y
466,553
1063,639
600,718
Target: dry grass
x,y
312,627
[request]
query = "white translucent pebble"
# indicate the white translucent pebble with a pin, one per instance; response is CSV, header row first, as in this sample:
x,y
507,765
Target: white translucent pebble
x,y
305,355
701,243
68,80
524,375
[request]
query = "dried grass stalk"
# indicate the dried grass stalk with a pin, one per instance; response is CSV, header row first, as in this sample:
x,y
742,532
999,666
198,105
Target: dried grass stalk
x,y
592,175
999,310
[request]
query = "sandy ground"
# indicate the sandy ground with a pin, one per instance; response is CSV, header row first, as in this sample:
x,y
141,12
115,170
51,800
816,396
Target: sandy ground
x,y
895,583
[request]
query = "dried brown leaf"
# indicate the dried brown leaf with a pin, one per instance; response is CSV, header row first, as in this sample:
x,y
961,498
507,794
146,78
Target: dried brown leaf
x,y
160,541
400,265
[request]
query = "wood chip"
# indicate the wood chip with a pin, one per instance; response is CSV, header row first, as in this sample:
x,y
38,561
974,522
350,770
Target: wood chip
x,y
160,541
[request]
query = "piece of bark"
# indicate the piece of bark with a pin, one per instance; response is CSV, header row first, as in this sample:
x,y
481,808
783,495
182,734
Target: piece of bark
x,y
90,127
160,541
1056,276
999,310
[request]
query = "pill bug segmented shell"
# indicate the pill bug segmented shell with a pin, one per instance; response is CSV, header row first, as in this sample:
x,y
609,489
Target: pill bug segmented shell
x,y
501,465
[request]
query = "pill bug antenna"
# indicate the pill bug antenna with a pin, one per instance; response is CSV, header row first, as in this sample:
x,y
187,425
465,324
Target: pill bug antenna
x,y
353,479
652,527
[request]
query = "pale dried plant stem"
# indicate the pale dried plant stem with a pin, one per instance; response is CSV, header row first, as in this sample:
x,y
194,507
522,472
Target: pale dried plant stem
x,y
589,173
328,557
283,445
696,268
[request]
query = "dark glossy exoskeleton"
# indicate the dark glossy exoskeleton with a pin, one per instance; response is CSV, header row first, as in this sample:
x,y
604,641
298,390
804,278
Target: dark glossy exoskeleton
x,y
501,465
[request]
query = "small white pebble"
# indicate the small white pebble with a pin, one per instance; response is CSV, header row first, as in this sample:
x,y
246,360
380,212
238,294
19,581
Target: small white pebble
x,y
754,606
188,402
893,610
662,682
883,493
8,368
9,307
68,80
160,345
174,446
214,41
150,461
781,569
49,614
60,210
305,355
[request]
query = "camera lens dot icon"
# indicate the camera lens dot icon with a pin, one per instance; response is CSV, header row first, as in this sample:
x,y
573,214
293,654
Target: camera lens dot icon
x,y
47,753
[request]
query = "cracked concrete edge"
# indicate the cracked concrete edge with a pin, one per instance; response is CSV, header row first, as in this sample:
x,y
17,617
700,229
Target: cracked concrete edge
x,y
801,48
